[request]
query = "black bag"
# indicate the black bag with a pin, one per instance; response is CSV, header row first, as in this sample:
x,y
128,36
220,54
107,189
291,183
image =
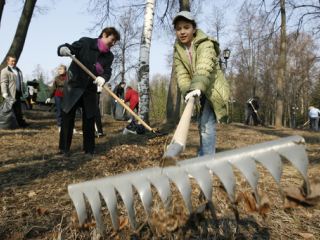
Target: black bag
x,y
7,117
134,127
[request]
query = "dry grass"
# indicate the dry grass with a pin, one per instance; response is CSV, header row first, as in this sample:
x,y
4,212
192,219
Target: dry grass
x,y
35,203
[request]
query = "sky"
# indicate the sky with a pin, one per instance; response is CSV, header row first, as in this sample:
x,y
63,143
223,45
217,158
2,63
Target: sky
x,y
64,22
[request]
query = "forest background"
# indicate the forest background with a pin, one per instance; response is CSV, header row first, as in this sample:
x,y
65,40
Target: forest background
x,y
251,29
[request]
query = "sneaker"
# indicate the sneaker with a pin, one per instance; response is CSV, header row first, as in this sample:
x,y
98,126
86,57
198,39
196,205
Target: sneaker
x,y
100,134
127,131
64,153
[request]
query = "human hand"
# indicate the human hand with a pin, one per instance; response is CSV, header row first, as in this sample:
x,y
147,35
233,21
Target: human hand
x,y
100,81
4,95
64,51
47,100
193,93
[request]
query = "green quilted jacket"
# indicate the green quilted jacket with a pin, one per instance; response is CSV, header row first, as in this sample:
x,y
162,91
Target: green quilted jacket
x,y
204,74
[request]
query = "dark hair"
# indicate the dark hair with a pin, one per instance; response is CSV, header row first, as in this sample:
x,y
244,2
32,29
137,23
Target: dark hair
x,y
194,24
110,31
63,66
11,56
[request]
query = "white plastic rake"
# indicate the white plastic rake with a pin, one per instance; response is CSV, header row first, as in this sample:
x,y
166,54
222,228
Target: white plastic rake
x,y
269,154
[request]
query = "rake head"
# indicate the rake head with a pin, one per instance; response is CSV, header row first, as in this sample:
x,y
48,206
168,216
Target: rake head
x,y
269,154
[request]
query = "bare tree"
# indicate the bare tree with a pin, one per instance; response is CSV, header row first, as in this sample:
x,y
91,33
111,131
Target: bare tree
x,y
2,3
281,66
308,13
128,44
143,72
21,32
217,22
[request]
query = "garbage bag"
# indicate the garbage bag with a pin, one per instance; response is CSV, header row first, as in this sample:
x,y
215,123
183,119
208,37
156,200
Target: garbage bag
x,y
7,117
119,113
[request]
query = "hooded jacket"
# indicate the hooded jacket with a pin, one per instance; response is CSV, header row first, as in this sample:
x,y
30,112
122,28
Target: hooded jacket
x,y
204,73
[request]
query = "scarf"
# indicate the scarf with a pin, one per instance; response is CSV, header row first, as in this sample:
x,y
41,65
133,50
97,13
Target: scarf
x,y
103,49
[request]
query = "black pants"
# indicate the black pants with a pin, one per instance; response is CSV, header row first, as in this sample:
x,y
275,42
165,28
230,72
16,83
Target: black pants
x,y
67,126
98,116
17,110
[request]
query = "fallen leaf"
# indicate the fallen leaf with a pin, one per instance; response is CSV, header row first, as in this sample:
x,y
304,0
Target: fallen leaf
x,y
123,222
42,211
31,194
307,236
295,194
249,201
264,207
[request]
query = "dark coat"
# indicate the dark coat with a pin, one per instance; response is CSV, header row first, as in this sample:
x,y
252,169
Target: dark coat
x,y
80,83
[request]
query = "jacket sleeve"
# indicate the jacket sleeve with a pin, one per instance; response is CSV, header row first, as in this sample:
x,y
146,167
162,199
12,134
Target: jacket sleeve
x,y
54,87
4,82
182,74
206,64
74,47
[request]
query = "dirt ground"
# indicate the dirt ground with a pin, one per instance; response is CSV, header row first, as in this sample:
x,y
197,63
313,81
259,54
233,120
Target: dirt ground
x,y
34,179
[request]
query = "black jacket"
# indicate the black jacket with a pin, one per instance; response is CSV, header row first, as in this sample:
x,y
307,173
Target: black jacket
x,y
79,82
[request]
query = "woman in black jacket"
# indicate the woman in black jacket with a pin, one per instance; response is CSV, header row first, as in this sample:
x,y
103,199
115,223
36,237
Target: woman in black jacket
x,y
80,90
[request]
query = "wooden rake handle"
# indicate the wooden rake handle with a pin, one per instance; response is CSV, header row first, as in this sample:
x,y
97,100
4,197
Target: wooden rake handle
x,y
84,68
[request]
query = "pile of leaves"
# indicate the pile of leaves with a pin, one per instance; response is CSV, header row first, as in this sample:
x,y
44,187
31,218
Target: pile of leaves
x,y
35,203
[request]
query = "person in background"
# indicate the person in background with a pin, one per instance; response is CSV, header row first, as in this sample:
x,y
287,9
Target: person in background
x,y
199,75
314,114
119,91
57,92
132,96
11,82
252,107
80,90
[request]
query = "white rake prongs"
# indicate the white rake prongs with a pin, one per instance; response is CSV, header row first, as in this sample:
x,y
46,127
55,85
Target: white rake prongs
x,y
269,154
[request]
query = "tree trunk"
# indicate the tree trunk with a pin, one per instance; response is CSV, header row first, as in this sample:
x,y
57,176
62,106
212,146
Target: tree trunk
x,y
173,99
21,32
123,65
282,67
2,3
143,73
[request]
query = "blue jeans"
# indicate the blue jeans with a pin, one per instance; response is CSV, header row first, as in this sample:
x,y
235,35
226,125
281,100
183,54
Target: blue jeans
x,y
57,101
207,130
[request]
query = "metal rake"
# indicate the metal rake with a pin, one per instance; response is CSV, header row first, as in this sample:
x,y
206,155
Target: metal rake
x,y
269,154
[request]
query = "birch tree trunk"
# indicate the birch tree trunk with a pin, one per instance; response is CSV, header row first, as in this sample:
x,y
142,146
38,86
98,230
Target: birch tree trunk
x,y
143,73
21,32
282,67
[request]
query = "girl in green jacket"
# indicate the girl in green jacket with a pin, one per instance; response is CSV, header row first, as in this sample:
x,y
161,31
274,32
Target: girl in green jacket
x,y
199,75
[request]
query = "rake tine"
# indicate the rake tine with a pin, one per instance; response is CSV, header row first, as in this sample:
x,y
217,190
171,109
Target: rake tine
x,y
248,168
108,193
77,198
295,156
162,184
272,162
93,197
126,193
203,178
144,190
181,180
